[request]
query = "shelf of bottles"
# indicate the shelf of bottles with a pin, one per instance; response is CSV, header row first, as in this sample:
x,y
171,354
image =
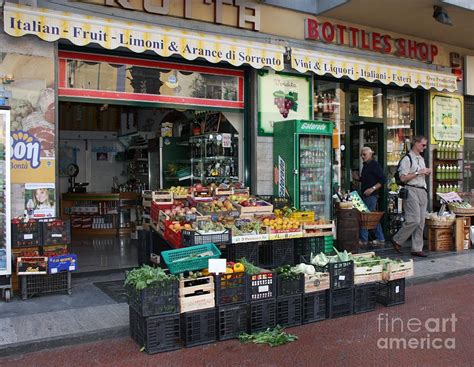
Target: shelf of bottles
x,y
448,170
395,213
214,158
400,115
315,174
5,250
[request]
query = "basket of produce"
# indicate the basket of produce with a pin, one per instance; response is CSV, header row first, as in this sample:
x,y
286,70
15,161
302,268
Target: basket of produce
x,y
434,220
190,258
463,208
369,220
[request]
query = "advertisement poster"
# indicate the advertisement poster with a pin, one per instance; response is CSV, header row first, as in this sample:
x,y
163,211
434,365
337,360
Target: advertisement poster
x,y
39,200
282,97
366,102
447,118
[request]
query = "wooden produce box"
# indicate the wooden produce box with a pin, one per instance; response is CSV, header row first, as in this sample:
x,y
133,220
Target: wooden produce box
x,y
317,282
394,271
462,233
147,198
261,207
367,274
162,197
223,192
318,230
441,239
303,217
196,294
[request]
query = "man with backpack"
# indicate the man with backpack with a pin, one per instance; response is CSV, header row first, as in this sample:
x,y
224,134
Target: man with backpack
x,y
412,171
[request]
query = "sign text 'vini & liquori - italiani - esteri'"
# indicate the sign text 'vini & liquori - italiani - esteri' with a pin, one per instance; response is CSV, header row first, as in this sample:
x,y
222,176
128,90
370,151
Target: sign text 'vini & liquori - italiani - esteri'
x,y
372,41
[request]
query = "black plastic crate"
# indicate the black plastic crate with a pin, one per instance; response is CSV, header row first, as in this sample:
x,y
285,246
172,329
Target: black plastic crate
x,y
391,293
143,245
262,286
249,250
262,315
272,254
307,246
55,231
341,274
341,302
364,297
315,307
232,288
286,287
32,285
160,298
199,327
26,234
233,320
289,310
192,238
156,333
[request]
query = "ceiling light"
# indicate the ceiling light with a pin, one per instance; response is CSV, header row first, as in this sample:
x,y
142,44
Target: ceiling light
x,y
440,15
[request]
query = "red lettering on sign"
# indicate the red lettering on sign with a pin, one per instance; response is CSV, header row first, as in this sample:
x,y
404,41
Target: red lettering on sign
x,y
327,31
434,52
411,49
376,46
422,53
387,45
340,34
400,45
311,29
365,40
353,36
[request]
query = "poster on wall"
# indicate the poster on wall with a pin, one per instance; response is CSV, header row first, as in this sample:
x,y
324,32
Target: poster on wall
x,y
282,97
447,118
40,200
366,102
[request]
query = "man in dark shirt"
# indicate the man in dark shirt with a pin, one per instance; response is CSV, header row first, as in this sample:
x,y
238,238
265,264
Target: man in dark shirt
x,y
372,179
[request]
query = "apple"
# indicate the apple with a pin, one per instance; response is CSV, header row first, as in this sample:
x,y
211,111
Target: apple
x,y
198,187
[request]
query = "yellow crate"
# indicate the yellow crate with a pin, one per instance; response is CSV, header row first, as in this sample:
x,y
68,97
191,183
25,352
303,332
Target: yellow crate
x,y
303,217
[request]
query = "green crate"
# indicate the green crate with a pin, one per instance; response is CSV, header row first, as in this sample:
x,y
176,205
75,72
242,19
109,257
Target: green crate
x,y
179,261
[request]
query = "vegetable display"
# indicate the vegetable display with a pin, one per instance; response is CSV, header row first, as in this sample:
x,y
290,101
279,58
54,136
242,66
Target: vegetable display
x,y
146,276
273,337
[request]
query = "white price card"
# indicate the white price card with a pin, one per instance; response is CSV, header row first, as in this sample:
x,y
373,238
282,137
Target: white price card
x,y
54,270
57,235
263,288
397,289
217,266
72,267
342,277
226,140
28,236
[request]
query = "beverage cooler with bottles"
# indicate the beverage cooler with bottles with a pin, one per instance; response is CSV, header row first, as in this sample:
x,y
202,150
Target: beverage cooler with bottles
x,y
302,160
5,238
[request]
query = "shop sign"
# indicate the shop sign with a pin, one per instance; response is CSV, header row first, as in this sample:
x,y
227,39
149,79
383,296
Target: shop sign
x,y
447,118
247,12
81,30
308,127
371,41
324,63
282,97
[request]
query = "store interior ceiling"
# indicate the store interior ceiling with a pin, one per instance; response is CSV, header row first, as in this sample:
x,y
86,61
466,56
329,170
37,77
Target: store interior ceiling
x,y
414,18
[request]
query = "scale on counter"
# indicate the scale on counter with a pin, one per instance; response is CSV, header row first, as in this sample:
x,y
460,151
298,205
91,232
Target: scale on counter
x,y
76,187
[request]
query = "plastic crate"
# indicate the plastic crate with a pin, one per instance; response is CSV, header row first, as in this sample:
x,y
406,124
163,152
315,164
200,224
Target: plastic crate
x,y
199,327
193,238
289,310
32,285
174,239
233,320
341,302
249,250
262,315
231,288
391,293
262,286
26,234
174,258
290,287
364,297
315,306
160,298
156,333
55,231
307,246
341,274
276,253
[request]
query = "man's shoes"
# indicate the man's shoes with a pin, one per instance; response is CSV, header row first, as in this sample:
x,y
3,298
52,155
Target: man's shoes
x,y
419,254
396,246
378,243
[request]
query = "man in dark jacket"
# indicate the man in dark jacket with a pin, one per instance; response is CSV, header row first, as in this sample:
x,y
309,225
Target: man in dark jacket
x,y
372,179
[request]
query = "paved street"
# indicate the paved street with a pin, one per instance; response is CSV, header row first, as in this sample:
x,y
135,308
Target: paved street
x,y
371,339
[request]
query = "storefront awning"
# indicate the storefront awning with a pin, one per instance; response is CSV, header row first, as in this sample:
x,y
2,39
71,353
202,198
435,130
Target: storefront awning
x,y
81,30
323,63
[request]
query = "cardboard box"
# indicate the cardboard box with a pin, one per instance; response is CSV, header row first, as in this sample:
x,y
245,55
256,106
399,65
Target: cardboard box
x,y
32,265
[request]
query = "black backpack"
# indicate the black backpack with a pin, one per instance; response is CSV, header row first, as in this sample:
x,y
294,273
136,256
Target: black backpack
x,y
398,180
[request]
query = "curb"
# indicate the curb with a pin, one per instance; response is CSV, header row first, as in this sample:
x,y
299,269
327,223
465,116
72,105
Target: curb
x,y
64,340
438,277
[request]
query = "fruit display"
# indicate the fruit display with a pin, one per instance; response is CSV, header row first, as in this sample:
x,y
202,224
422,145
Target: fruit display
x,y
179,212
285,102
176,226
282,224
216,206
247,227
179,190
238,198
209,226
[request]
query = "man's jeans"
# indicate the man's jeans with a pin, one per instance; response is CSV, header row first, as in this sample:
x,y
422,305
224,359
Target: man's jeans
x,y
371,202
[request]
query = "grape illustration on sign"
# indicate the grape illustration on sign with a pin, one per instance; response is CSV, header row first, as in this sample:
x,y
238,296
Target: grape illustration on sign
x,y
285,102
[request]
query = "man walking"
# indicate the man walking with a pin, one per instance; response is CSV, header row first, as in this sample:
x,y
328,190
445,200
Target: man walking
x,y
412,172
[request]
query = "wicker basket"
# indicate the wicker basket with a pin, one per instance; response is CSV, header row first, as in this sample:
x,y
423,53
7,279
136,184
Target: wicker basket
x,y
438,224
369,220
461,211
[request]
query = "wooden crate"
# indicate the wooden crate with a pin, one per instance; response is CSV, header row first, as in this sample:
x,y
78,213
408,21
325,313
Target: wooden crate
x,y
223,192
318,230
196,294
367,274
262,207
317,282
303,217
462,233
394,271
441,239
162,197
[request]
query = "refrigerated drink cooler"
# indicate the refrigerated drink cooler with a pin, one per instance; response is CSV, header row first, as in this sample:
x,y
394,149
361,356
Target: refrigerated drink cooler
x,y
302,163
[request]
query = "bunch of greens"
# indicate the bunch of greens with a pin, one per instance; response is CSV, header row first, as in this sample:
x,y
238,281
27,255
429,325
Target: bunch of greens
x,y
273,337
286,272
146,276
250,268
